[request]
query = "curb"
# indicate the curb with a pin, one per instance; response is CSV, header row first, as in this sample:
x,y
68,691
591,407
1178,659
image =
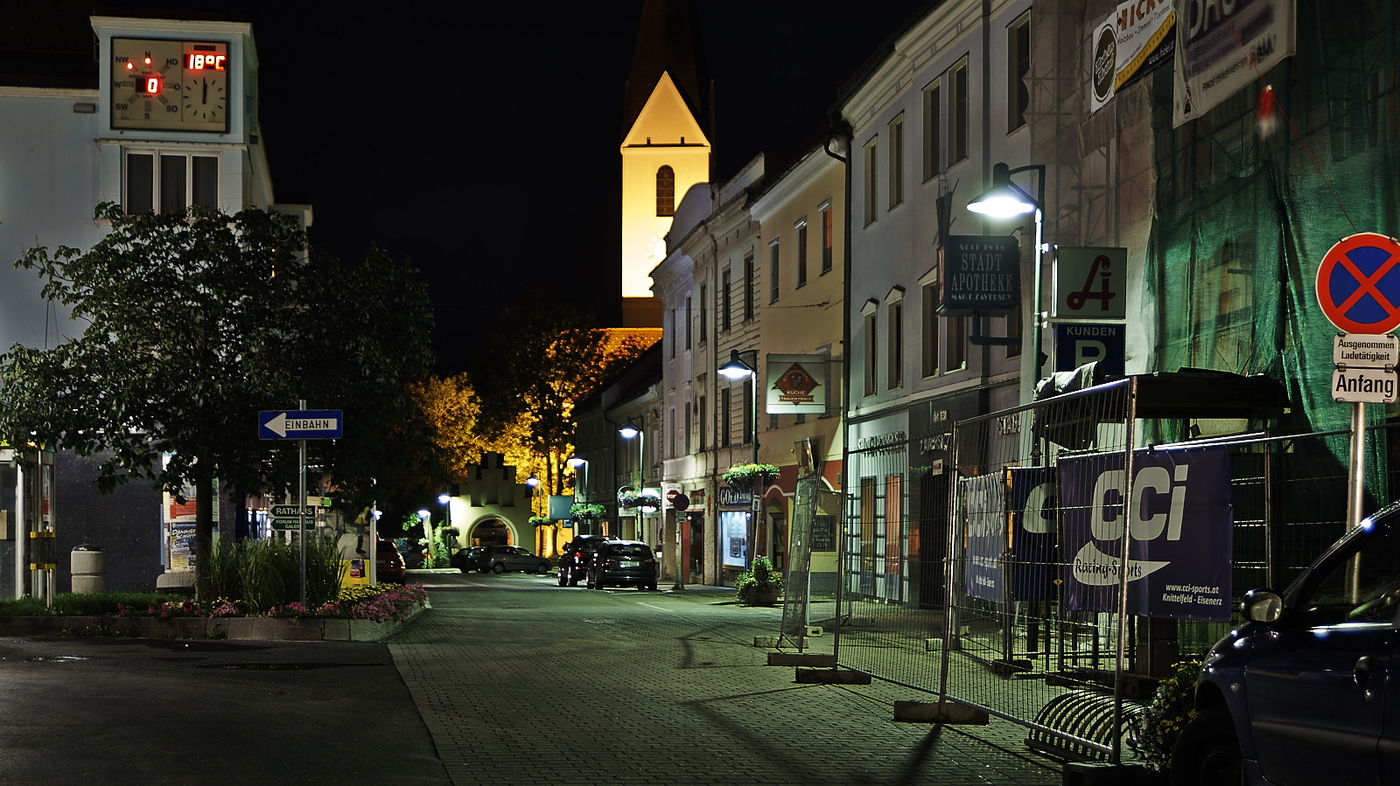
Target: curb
x,y
231,628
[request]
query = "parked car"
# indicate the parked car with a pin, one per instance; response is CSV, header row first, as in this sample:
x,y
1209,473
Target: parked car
x,y
575,558
623,563
1305,691
471,558
500,559
388,562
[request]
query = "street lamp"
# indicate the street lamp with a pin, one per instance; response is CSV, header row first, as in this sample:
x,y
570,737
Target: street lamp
x,y
630,431
735,370
1004,200
445,500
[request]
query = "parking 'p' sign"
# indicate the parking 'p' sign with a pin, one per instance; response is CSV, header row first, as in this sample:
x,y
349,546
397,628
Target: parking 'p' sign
x,y
1358,284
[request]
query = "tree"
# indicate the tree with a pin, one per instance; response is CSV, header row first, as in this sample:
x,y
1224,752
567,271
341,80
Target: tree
x,y
541,357
195,322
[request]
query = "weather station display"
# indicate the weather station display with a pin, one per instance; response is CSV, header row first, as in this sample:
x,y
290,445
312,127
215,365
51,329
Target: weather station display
x,y
163,85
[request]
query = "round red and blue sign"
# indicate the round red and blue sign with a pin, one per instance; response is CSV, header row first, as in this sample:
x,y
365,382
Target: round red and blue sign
x,y
1358,284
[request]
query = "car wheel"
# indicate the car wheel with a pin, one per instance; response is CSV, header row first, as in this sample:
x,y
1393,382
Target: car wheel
x,y
563,578
499,567
573,580
542,568
482,570
1207,752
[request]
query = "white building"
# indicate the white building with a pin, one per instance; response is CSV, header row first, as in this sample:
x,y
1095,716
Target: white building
x,y
165,117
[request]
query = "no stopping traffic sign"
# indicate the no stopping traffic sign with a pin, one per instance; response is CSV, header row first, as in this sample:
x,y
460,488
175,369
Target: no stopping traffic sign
x,y
1358,284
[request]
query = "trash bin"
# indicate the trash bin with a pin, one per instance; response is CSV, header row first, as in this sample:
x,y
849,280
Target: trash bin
x,y
89,567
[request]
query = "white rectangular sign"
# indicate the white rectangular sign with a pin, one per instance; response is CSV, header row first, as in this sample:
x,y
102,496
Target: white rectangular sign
x,y
1364,350
1363,386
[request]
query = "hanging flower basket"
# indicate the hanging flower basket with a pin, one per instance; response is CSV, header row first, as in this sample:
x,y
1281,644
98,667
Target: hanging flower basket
x,y
632,498
586,511
743,476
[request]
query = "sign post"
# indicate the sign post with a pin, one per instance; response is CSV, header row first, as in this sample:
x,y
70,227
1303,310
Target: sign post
x,y
1358,289
299,425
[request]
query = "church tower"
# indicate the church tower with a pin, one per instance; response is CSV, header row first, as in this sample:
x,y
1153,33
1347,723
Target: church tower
x,y
667,127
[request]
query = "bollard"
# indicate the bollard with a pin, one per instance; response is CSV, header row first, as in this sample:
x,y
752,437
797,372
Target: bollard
x,y
89,568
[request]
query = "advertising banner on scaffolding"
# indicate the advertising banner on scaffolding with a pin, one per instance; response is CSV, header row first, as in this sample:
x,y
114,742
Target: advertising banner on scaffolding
x,y
1180,523
1034,560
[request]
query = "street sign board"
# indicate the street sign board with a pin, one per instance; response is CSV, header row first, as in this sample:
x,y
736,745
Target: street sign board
x,y
301,424
1080,343
1363,386
1358,284
1364,350
292,511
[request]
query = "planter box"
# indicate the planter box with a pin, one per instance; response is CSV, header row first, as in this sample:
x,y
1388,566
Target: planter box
x,y
232,628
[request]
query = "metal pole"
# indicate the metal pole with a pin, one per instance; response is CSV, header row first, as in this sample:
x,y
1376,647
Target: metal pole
x,y
301,511
1356,489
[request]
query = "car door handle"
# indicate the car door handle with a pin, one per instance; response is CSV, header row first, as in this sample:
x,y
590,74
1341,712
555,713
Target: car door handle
x,y
1362,672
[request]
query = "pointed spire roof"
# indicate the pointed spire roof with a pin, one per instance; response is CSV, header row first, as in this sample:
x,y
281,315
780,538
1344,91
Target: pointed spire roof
x,y
668,41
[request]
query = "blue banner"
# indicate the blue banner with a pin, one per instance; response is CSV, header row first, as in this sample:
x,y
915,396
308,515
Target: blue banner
x,y
1034,563
984,509
1179,524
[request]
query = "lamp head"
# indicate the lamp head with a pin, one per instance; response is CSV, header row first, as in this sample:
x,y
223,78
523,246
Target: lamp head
x,y
629,429
577,461
443,498
424,514
736,368
532,481
1004,199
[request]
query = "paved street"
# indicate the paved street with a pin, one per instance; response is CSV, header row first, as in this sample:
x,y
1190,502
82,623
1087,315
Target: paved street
x,y
509,679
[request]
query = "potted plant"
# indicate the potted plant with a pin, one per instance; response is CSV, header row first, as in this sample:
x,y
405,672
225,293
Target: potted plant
x,y
760,585
631,498
743,476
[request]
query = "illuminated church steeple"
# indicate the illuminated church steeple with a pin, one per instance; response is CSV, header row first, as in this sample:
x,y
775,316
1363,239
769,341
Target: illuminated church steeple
x,y
667,128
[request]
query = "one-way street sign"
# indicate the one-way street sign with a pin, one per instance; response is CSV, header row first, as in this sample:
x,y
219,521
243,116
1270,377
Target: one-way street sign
x,y
301,424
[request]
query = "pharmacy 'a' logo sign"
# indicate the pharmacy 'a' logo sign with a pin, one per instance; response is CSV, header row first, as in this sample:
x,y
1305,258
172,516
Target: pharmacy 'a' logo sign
x,y
1358,284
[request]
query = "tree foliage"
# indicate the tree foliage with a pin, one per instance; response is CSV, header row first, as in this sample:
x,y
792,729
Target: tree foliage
x,y
540,357
194,323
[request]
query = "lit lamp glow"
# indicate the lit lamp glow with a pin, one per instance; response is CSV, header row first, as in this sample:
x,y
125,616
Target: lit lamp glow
x,y
1005,199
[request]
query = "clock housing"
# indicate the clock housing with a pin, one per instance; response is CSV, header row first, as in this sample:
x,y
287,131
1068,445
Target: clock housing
x,y
167,85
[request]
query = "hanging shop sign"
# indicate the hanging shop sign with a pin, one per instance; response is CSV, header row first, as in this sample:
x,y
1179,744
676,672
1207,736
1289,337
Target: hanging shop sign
x,y
797,384
979,274
1090,283
1179,525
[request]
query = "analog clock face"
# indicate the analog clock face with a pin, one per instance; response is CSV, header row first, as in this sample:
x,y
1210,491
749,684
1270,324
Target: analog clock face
x,y
169,85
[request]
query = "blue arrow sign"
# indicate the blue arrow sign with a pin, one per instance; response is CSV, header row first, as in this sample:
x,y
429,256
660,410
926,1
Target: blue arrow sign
x,y
301,424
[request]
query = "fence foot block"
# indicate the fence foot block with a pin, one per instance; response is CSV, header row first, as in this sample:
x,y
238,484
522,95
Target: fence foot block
x,y
800,659
938,712
1083,773
831,677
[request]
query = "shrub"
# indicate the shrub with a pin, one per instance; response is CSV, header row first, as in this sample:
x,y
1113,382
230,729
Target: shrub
x,y
1154,733
760,576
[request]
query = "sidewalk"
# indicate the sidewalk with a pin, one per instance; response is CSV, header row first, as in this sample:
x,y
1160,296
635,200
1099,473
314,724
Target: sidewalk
x,y
624,687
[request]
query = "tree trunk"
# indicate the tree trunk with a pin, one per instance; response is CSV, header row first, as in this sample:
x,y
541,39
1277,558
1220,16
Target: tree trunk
x,y
204,502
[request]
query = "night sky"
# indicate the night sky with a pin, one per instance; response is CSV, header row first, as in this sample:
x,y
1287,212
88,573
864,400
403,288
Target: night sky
x,y
482,146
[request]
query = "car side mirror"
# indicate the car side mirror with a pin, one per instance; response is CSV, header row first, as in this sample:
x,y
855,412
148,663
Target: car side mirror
x,y
1262,605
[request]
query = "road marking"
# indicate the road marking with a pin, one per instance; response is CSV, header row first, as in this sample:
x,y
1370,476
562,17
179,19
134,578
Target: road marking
x,y
658,608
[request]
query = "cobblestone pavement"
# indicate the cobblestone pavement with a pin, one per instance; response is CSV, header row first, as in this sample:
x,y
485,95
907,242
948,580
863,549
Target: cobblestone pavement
x,y
521,681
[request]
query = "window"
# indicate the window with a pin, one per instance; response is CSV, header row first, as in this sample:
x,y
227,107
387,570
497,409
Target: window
x,y
685,428
1013,330
896,129
933,129
872,181
170,182
895,372
725,413
957,343
931,332
827,230
872,347
700,422
1018,67
750,425
750,286
725,303
671,332
958,111
665,191
704,312
774,269
687,322
801,227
